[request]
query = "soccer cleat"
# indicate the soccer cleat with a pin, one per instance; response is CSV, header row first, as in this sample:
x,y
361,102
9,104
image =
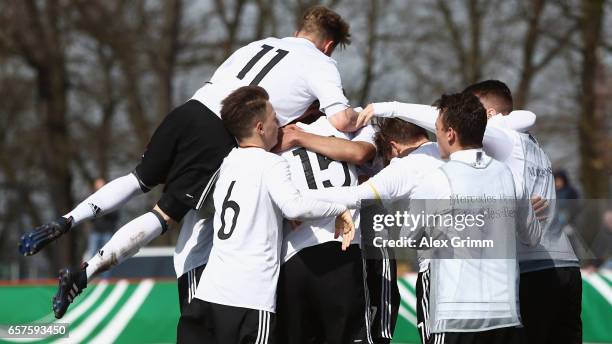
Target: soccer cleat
x,y
32,242
71,284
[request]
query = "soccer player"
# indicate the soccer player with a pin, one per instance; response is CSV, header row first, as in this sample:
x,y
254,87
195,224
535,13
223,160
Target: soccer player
x,y
410,156
475,300
235,300
187,148
321,295
496,142
551,284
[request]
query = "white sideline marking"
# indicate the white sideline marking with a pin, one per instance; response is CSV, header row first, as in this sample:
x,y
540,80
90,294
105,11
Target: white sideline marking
x,y
600,285
72,314
607,274
82,307
78,334
407,296
412,279
407,315
114,328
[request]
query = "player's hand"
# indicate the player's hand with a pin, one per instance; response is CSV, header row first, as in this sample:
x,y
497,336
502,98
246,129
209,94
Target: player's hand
x,y
288,137
346,228
540,207
365,116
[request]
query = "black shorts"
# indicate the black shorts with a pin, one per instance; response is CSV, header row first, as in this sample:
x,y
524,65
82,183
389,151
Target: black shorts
x,y
206,322
504,335
383,295
422,304
551,302
187,285
184,153
321,296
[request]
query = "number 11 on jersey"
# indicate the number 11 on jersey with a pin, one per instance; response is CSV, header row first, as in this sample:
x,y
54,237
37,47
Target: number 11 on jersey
x,y
280,54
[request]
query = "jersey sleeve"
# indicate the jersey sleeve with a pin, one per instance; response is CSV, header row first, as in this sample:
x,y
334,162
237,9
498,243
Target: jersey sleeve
x,y
391,183
502,132
497,143
325,83
519,120
349,196
422,115
287,197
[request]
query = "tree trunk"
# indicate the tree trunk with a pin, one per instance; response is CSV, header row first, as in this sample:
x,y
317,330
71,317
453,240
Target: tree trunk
x,y
591,123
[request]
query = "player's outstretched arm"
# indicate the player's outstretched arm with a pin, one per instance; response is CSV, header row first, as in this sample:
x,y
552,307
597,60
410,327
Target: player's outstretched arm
x,y
498,137
347,120
289,199
295,206
391,183
519,120
338,149
425,116
108,198
496,142
349,196
422,115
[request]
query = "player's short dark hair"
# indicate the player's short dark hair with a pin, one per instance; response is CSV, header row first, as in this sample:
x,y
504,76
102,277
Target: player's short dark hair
x,y
242,108
326,23
465,114
395,129
495,90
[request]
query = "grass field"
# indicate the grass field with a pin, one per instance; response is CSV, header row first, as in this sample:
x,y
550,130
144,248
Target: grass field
x,y
146,311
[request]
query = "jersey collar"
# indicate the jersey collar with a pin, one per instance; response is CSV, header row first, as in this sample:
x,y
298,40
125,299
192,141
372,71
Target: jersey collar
x,y
470,156
304,41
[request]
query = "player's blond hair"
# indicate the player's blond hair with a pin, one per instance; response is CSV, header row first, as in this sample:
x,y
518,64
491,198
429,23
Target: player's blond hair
x,y
326,23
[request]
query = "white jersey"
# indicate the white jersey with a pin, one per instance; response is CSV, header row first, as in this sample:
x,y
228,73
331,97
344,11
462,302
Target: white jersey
x,y
195,239
531,167
253,193
312,171
472,295
397,181
292,70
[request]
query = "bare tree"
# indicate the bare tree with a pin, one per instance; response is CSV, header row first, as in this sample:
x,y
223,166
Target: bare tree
x,y
163,55
592,123
534,13
370,51
231,22
36,33
468,56
121,26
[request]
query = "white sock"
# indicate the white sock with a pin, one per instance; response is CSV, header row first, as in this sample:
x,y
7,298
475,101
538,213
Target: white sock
x,y
125,243
108,198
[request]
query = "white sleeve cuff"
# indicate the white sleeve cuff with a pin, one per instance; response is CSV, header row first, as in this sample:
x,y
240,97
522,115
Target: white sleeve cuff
x,y
334,109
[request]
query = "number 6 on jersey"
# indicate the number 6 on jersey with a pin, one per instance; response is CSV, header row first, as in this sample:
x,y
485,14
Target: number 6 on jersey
x,y
232,205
